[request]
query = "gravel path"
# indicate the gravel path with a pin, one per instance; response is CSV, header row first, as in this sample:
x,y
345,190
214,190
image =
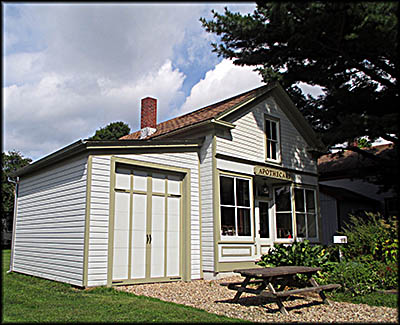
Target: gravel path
x,y
214,298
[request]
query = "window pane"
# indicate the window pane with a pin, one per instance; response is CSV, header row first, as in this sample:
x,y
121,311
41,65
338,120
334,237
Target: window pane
x,y
227,192
311,225
273,150
264,220
228,221
243,222
284,225
268,149
282,199
310,201
273,131
301,224
299,200
242,192
268,129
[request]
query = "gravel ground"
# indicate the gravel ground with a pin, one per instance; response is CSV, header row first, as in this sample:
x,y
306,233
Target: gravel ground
x,y
214,298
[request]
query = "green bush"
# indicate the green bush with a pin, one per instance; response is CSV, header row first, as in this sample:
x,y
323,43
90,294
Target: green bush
x,y
299,254
372,241
386,275
371,236
355,277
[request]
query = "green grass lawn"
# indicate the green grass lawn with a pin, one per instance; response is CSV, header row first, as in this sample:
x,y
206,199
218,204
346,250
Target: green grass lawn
x,y
372,299
30,299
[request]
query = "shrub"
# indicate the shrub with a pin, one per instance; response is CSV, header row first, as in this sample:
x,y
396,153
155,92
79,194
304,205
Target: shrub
x,y
386,274
355,277
371,236
299,254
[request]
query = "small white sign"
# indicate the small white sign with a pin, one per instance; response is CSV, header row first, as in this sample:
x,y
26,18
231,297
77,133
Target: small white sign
x,y
340,239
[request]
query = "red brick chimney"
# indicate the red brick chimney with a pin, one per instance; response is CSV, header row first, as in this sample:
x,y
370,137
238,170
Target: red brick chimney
x,y
148,113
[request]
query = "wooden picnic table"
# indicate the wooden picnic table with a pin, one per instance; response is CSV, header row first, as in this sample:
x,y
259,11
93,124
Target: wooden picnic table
x,y
268,279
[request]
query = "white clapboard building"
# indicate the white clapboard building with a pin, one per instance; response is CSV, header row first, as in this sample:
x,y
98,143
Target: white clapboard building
x,y
193,197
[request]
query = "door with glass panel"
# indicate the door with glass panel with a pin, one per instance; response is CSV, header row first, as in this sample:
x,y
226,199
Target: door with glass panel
x,y
263,220
147,223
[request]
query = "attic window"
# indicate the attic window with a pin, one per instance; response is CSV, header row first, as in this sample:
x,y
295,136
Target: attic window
x,y
273,152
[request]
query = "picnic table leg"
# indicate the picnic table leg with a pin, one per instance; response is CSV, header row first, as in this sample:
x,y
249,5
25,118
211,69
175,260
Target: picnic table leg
x,y
278,300
321,293
239,291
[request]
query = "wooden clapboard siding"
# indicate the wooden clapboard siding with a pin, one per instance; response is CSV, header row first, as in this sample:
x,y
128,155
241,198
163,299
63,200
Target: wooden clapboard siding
x,y
50,224
99,209
207,216
99,219
246,140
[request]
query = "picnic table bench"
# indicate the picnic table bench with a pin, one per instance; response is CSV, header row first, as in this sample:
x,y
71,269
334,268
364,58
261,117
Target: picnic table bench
x,y
268,279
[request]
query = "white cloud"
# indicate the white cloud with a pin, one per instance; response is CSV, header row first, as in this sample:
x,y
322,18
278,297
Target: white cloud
x,y
70,69
225,81
114,41
48,115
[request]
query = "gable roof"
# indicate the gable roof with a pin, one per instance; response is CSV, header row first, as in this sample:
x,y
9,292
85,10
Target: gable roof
x,y
351,163
201,115
342,194
216,113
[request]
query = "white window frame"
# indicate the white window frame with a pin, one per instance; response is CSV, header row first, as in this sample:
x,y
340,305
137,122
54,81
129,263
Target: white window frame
x,y
277,141
304,189
275,223
251,199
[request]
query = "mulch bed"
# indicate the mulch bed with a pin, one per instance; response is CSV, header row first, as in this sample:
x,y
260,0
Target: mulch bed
x,y
210,296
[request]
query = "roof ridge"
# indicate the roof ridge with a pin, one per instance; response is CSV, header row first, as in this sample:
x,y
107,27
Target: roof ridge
x,y
222,101
196,112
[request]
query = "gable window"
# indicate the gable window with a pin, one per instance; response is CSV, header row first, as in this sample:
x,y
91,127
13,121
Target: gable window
x,y
306,216
272,140
235,206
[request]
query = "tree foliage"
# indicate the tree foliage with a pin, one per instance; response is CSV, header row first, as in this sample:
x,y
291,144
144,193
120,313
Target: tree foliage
x,y
10,162
347,48
112,131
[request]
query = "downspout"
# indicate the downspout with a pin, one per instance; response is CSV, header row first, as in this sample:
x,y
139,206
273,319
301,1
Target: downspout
x,y
14,222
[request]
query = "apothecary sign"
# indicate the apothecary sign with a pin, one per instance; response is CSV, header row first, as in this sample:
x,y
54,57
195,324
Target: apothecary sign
x,y
272,172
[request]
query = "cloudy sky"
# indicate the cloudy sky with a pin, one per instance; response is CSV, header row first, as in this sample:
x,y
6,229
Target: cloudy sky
x,y
70,69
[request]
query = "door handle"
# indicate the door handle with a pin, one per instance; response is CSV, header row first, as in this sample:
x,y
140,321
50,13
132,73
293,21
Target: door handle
x,y
148,239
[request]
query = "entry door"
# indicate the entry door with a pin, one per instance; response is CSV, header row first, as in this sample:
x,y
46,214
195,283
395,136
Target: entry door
x,y
263,227
147,223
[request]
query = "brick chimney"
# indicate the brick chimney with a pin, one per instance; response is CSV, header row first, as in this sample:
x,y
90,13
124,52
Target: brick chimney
x,y
148,116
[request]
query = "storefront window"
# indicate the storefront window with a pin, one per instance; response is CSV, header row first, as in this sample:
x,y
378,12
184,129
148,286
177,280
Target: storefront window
x,y
306,216
235,206
283,212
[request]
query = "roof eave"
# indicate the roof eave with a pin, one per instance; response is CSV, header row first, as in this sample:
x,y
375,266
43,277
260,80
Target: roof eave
x,y
72,149
235,108
298,119
209,122
81,146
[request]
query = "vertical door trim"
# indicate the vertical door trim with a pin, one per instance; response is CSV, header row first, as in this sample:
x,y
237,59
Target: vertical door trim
x,y
149,211
87,222
111,222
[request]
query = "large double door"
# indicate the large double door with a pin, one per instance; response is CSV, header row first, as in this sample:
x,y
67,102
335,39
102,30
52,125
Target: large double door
x,y
147,226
